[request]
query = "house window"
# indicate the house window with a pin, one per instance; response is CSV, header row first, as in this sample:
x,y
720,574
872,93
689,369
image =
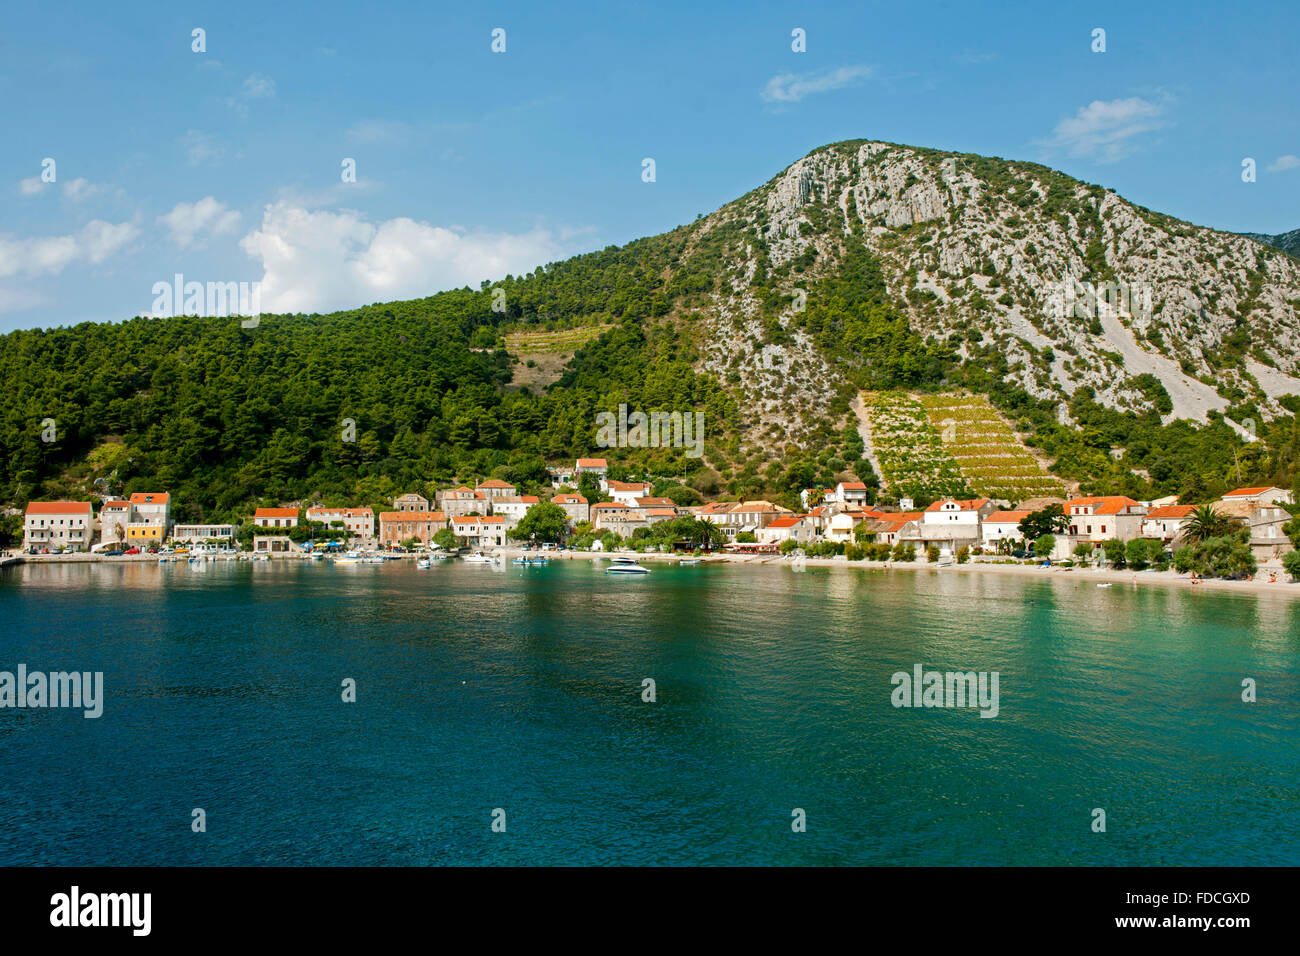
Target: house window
x,y
1103,529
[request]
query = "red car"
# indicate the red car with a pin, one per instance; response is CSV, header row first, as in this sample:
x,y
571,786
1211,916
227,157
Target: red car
x,y
131,551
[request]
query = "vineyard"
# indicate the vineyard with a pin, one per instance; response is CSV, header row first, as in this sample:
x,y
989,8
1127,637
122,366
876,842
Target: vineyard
x,y
914,458
561,340
935,445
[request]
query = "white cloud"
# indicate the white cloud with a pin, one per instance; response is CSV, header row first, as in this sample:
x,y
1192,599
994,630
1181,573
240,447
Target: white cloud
x,y
200,148
79,189
1283,163
792,87
188,219
258,86
32,186
314,261
1104,130
50,255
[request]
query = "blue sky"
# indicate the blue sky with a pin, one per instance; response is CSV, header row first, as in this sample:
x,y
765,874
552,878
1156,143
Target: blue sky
x,y
225,165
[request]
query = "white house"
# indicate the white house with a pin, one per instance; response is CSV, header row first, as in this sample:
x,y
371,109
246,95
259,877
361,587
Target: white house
x,y
1166,522
627,491
1001,526
792,527
1264,494
851,493
1105,517
480,531
358,522
58,524
514,508
202,532
276,517
114,518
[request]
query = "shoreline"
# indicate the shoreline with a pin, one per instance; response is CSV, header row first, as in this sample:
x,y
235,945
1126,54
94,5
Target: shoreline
x,y
1125,577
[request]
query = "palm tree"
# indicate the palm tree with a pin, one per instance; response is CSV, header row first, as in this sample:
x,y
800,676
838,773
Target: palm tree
x,y
1204,523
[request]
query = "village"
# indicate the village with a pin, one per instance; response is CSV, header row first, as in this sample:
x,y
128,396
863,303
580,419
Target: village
x,y
833,521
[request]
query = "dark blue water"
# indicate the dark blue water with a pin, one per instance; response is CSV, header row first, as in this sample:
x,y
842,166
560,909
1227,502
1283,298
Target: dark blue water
x,y
522,691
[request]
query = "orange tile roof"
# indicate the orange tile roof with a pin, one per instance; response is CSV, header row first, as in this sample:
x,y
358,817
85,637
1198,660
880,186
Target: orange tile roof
x,y
150,498
789,522
1171,511
1244,492
396,517
495,483
567,499
1106,504
969,504
592,463
627,485
58,507
276,513
853,486
1007,517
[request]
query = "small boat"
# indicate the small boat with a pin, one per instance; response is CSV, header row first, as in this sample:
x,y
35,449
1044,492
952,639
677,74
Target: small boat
x,y
1108,585
625,566
687,562
422,564
479,559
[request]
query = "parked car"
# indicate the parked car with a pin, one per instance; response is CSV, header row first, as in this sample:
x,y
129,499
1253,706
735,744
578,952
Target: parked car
x,y
115,552
131,551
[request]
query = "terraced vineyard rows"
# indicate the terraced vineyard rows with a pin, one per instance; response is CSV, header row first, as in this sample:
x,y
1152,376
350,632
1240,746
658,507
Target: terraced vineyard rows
x,y
957,445
561,340
914,458
990,456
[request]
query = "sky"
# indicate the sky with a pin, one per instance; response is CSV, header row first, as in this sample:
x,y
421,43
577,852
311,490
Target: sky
x,y
228,164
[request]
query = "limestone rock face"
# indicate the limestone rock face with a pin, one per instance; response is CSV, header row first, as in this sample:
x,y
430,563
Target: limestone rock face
x,y
1077,286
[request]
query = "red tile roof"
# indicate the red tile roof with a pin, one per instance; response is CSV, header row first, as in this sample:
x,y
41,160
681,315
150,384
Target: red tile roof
x,y
495,483
58,507
592,463
853,486
567,499
786,522
276,513
1248,492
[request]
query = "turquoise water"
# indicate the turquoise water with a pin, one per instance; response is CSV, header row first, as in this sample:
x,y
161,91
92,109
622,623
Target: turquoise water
x,y
522,690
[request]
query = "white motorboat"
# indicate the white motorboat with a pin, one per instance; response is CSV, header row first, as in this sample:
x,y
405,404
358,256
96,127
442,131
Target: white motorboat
x,y
479,559
422,564
625,566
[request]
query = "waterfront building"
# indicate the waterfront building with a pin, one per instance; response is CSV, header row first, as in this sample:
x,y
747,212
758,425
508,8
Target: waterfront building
x,y
58,524
276,517
398,526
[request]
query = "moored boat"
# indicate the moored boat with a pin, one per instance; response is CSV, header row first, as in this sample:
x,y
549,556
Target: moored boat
x,y
625,566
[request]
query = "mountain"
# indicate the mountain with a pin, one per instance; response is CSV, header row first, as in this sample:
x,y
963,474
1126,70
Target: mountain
x,y
1286,241
862,266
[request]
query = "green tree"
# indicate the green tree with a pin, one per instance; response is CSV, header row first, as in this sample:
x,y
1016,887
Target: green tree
x,y
445,538
1291,562
1205,522
544,521
1044,545
1049,520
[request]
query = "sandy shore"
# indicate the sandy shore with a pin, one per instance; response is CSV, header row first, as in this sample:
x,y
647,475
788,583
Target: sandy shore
x,y
1259,585
1093,576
